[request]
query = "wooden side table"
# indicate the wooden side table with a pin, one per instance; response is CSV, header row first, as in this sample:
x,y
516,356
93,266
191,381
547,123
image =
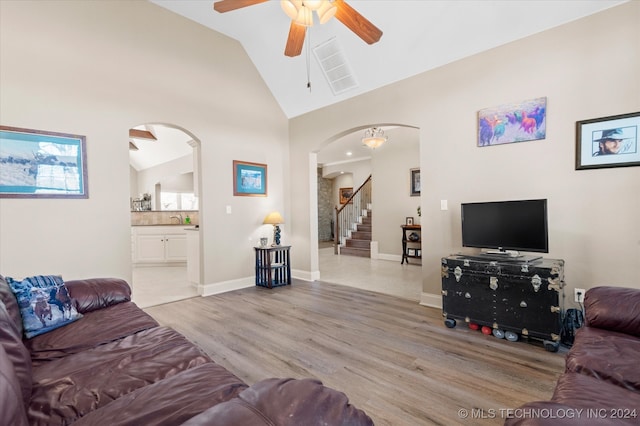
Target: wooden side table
x,y
411,248
273,267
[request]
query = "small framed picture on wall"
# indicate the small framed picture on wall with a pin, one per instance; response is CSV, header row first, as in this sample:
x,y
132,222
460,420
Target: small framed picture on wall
x,y
345,195
249,179
415,182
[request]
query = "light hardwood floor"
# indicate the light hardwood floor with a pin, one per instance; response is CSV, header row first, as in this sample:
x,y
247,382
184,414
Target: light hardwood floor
x,y
392,357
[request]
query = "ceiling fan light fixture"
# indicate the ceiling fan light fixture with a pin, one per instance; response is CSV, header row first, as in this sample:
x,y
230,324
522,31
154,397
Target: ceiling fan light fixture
x,y
305,16
374,137
326,11
313,4
291,8
302,11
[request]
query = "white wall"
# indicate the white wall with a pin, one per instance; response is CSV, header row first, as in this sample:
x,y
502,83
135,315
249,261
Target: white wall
x,y
391,197
148,178
359,169
99,68
571,66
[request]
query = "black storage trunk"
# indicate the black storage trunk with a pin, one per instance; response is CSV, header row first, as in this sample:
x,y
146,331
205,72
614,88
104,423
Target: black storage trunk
x,y
520,297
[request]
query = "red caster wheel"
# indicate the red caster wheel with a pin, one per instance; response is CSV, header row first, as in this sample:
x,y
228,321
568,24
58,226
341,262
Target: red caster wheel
x,y
474,326
487,330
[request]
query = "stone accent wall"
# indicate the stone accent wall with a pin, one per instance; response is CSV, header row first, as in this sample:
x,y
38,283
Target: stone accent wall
x,y
325,208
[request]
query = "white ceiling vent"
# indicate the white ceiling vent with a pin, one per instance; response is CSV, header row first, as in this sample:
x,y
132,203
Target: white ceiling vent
x,y
335,68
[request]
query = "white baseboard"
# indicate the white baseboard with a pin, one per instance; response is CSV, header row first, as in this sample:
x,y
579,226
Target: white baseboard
x,y
431,300
392,257
225,286
305,275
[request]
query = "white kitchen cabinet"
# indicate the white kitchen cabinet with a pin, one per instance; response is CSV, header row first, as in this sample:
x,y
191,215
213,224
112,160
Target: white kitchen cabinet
x,y
159,244
175,247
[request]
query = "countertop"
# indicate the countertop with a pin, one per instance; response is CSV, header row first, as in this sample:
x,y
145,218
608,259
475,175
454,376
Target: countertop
x,y
169,224
173,225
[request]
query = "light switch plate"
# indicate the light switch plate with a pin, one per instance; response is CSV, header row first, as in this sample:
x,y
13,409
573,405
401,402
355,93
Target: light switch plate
x,y
444,205
228,209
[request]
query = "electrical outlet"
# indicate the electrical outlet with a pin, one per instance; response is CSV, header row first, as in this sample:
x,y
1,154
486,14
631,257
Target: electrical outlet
x,y
578,294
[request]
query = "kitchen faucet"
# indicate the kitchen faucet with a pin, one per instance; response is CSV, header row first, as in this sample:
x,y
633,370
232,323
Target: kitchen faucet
x,y
179,217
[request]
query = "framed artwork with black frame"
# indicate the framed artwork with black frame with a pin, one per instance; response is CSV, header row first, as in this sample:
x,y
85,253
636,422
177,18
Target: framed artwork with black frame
x,y
42,164
415,182
608,142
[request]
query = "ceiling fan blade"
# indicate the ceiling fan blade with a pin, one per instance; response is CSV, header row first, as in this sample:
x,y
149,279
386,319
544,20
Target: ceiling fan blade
x,y
223,6
295,39
141,134
356,22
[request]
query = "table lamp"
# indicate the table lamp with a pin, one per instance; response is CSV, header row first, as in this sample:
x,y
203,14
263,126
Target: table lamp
x,y
275,219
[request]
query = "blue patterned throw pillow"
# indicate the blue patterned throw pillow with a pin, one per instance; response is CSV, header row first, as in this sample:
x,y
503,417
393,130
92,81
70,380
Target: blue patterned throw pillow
x,y
44,303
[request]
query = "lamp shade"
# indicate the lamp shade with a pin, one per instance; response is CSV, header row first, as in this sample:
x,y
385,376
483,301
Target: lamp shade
x,y
273,218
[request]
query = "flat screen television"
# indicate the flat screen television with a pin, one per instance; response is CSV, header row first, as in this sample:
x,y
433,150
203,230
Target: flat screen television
x,y
506,226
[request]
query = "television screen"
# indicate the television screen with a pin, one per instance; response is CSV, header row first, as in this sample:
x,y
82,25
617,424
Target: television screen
x,y
506,225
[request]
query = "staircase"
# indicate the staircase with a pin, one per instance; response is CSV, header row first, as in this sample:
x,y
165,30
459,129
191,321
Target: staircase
x,y
353,223
359,242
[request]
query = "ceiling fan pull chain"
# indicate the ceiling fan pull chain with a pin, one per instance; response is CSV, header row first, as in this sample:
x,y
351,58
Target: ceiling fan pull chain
x,y
308,43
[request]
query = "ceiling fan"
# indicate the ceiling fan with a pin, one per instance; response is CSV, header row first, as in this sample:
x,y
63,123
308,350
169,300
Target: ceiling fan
x,y
301,14
136,134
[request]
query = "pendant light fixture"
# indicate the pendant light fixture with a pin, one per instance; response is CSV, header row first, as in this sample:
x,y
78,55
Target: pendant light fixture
x,y
374,137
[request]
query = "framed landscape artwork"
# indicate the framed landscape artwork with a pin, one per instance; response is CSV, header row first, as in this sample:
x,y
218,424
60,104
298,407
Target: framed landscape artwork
x,y
516,122
249,179
41,164
608,142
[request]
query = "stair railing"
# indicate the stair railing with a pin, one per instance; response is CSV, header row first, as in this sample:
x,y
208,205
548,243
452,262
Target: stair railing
x,y
350,214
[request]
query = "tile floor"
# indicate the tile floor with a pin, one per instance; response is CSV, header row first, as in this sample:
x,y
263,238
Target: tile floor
x,y
382,276
157,285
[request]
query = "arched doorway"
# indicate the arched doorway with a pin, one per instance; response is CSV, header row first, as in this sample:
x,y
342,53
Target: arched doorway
x,y
389,166
165,190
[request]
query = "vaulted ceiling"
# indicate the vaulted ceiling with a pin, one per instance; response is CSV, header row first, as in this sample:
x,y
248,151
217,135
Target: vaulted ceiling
x,y
417,36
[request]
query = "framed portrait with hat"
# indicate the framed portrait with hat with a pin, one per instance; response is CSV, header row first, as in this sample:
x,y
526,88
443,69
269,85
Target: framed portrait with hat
x,y
608,142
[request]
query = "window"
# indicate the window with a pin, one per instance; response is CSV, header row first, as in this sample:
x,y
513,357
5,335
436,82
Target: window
x,y
178,201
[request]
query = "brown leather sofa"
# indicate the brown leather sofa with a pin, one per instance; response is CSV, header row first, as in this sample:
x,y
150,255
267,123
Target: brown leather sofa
x,y
601,382
117,366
